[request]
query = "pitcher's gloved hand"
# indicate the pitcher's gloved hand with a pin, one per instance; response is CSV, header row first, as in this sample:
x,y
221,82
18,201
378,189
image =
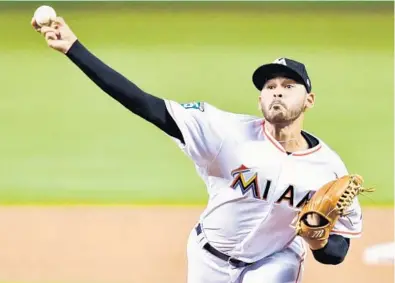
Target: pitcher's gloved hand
x,y
318,217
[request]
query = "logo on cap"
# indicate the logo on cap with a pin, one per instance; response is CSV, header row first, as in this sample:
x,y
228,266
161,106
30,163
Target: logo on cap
x,y
280,61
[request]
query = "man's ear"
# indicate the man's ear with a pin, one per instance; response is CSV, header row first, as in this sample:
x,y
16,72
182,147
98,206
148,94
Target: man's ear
x,y
259,103
310,101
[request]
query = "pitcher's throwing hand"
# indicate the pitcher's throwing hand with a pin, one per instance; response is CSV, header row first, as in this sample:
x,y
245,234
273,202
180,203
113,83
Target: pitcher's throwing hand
x,y
58,35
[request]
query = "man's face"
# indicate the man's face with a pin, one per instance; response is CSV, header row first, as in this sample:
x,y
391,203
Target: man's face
x,y
283,100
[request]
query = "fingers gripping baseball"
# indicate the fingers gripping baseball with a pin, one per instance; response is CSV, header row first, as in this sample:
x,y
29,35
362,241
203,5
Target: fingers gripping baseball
x,y
50,34
35,25
56,32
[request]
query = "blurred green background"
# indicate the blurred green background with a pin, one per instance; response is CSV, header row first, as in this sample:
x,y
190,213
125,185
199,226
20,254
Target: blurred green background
x,y
64,141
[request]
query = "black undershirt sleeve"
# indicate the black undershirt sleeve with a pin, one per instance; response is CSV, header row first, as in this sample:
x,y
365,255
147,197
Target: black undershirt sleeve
x,y
334,252
147,106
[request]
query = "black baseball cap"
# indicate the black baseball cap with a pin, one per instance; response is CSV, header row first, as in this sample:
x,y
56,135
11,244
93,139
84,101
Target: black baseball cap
x,y
287,67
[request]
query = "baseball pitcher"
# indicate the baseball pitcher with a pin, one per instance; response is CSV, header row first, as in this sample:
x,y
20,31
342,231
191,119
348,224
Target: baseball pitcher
x,y
275,190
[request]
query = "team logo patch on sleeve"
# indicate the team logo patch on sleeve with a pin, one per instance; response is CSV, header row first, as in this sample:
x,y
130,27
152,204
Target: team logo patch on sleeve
x,y
194,105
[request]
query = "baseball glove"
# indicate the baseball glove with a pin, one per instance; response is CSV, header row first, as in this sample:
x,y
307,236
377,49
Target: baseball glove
x,y
318,217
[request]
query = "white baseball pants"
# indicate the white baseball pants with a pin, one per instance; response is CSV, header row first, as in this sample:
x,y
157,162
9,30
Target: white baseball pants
x,y
203,267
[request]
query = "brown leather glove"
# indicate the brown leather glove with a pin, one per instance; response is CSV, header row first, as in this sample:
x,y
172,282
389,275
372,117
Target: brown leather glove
x,y
318,217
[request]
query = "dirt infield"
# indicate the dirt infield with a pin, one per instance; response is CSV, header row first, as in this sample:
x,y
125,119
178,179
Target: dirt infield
x,y
141,245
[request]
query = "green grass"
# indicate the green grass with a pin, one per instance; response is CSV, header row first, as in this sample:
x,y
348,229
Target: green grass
x,y
65,141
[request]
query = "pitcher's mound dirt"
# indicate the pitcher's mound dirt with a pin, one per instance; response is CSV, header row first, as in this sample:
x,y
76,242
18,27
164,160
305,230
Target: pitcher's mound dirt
x,y
140,245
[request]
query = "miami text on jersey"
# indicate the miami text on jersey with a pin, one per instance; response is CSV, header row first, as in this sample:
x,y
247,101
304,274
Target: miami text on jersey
x,y
246,180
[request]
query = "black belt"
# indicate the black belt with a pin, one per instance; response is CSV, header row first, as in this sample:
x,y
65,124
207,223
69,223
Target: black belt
x,y
235,262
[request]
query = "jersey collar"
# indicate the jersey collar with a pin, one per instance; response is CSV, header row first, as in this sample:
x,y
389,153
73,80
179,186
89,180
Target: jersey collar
x,y
281,148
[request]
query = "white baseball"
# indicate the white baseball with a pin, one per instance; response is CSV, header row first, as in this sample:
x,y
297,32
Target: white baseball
x,y
44,15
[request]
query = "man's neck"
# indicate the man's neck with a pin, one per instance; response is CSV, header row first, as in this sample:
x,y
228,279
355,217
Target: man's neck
x,y
288,135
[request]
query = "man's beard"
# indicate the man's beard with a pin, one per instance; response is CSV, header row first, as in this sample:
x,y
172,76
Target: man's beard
x,y
284,117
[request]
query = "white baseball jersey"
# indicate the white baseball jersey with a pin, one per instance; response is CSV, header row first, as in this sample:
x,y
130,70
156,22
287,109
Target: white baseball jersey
x,y
255,188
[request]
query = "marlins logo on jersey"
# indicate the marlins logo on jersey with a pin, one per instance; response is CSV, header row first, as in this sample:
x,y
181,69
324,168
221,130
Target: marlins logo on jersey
x,y
245,180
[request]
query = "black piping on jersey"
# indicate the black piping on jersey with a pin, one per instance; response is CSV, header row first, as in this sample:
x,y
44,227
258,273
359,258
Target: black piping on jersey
x,y
154,110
